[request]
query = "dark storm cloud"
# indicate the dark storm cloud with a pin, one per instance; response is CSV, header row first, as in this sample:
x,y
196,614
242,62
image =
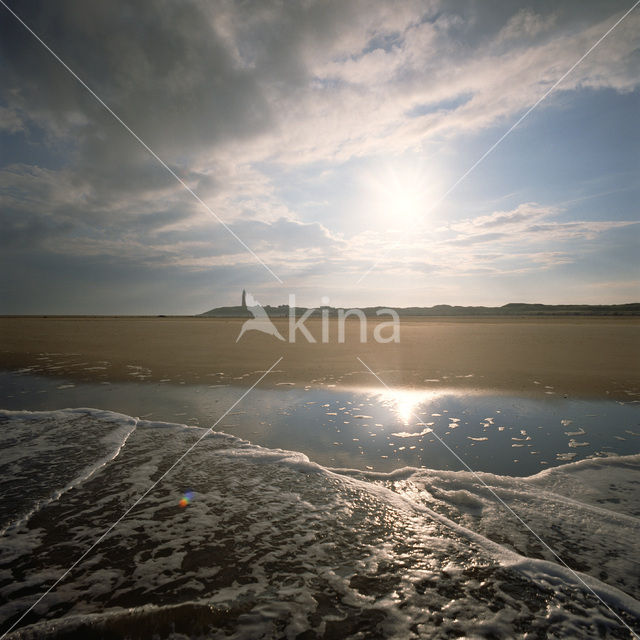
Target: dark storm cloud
x,y
163,69
172,76
59,284
167,68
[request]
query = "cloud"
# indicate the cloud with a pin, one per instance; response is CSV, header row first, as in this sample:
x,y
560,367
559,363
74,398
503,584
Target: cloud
x,y
525,25
10,120
234,96
519,217
528,238
528,223
291,83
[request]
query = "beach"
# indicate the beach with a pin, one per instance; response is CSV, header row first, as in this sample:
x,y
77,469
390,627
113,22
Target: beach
x,y
241,541
584,357
457,456
489,491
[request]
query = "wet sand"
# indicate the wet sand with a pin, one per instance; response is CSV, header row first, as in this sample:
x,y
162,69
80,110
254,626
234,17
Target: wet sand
x,y
589,357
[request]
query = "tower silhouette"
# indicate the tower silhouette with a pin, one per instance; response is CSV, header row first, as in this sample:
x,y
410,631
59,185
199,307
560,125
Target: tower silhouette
x,y
244,299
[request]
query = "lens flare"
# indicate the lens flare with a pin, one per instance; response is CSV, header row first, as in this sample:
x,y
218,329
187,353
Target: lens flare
x,y
186,499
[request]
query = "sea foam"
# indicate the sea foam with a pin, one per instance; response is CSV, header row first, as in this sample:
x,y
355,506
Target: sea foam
x,y
273,544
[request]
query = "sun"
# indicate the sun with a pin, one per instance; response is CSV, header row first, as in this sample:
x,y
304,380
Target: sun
x,y
398,193
405,196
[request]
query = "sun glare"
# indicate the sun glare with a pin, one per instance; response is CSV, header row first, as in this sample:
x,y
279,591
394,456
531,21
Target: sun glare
x,y
399,193
405,196
406,403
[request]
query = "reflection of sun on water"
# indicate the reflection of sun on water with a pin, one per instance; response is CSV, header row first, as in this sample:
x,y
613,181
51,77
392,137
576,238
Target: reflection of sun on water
x,y
406,403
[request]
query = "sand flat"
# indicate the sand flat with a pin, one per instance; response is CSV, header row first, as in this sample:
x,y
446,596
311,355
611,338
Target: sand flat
x,y
573,356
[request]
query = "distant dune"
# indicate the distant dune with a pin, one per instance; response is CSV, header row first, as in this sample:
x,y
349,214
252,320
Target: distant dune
x,y
444,310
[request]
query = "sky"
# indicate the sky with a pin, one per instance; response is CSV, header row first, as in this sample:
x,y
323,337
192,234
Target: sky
x,y
339,149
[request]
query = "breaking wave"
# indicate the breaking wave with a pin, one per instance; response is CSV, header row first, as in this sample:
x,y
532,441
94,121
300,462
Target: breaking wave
x,y
270,544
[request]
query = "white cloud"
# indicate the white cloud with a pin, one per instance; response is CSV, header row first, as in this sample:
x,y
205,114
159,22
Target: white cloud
x,y
518,218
